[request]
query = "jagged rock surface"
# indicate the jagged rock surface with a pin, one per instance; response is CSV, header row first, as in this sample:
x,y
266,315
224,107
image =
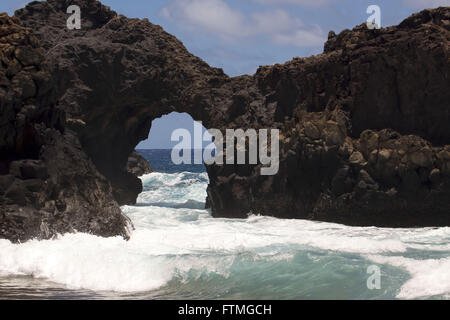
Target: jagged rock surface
x,y
341,159
115,76
364,125
137,165
48,185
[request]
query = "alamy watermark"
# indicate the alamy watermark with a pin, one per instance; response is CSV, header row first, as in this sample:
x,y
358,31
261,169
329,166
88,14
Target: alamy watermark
x,y
374,281
234,150
231,149
374,20
74,21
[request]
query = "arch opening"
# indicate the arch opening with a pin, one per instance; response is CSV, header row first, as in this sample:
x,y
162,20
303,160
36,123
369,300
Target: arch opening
x,y
170,137
173,184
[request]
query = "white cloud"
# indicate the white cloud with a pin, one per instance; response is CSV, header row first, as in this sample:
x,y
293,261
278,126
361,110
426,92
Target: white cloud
x,y
308,3
213,15
218,18
273,21
426,4
301,38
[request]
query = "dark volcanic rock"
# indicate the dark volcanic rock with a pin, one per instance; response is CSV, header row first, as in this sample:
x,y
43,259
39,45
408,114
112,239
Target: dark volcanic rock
x,y
48,185
114,77
364,125
137,165
125,193
338,162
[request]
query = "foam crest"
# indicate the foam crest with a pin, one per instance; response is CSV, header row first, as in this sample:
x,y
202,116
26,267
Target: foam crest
x,y
430,277
176,240
82,261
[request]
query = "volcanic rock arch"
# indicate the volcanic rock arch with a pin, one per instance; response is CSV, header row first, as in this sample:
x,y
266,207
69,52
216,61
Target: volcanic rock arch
x,y
364,125
116,76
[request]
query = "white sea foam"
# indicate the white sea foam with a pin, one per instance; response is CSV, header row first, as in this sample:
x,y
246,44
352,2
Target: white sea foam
x,y
85,261
174,188
430,277
178,242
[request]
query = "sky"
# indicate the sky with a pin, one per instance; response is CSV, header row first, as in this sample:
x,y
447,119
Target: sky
x,y
241,35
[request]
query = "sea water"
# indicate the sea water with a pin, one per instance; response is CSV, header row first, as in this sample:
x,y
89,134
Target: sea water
x,y
178,251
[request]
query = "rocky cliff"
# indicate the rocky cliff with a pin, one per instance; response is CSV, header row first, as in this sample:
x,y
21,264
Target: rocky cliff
x,y
48,185
137,165
364,125
365,135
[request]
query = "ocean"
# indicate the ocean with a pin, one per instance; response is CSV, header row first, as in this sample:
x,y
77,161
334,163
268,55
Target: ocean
x,y
178,251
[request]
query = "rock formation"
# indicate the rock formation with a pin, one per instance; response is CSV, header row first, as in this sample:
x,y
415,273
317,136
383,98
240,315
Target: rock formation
x,y
364,131
137,165
48,185
364,125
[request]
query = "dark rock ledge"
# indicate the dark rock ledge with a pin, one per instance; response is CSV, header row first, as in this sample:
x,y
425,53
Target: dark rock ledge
x,y
364,125
48,184
137,165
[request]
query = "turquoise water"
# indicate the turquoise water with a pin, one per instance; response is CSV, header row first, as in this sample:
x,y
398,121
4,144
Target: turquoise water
x,y
178,251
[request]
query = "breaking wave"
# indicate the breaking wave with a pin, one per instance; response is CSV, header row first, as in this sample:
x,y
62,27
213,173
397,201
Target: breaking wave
x,y
179,251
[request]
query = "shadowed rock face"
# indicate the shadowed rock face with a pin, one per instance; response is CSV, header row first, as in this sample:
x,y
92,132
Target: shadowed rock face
x,y
364,125
48,185
137,165
115,76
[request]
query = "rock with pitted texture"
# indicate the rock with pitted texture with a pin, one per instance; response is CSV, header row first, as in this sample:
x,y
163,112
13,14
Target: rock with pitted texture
x,y
364,126
48,185
137,165
115,76
364,131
